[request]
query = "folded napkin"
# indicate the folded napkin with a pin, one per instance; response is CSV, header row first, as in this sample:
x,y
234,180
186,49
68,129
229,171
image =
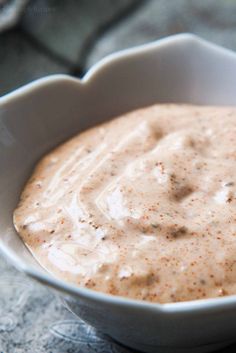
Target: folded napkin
x,y
10,12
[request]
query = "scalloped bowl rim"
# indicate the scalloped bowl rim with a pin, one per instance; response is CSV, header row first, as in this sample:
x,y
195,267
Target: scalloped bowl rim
x,y
199,305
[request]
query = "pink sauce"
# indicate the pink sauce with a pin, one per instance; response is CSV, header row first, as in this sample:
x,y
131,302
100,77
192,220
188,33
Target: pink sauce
x,y
143,206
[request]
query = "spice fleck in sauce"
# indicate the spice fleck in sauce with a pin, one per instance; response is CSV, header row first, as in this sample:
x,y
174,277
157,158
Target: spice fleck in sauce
x,y
143,206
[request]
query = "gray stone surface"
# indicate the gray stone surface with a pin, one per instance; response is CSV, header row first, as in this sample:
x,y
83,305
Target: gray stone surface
x,y
33,320
57,36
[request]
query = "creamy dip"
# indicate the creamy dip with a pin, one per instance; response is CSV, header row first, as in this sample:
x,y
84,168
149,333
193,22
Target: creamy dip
x,y
143,206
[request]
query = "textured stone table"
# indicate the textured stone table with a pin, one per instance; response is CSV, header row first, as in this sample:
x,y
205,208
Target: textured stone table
x,y
68,37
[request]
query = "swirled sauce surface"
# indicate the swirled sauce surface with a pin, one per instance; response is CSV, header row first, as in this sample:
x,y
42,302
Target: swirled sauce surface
x,y
143,206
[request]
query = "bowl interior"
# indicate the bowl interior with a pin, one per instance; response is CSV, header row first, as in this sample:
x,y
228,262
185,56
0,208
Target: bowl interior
x,y
34,119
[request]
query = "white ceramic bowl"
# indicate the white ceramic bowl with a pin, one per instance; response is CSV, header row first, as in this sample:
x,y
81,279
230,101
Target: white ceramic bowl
x,y
33,119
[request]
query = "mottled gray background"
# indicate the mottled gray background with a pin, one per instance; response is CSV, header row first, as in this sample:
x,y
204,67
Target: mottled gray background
x,y
42,37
